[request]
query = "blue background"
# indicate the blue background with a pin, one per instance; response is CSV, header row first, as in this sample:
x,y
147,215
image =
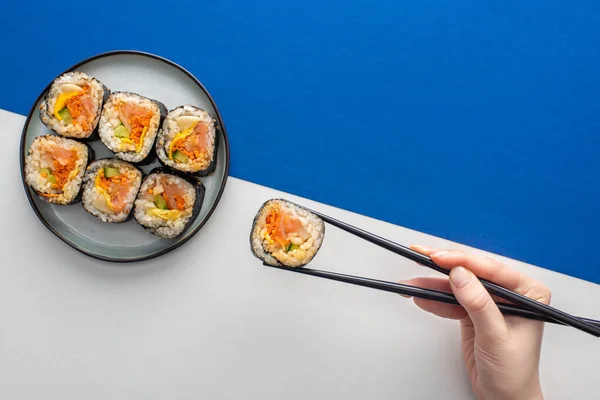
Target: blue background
x,y
471,120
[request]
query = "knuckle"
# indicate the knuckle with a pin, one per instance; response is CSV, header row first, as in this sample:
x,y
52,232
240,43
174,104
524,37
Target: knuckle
x,y
478,302
495,265
537,291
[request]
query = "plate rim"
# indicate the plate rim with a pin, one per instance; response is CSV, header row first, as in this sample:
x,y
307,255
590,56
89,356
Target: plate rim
x,y
174,245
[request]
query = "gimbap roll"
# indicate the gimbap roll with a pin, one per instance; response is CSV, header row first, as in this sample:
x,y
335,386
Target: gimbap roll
x,y
54,168
167,203
284,234
129,125
110,187
187,141
73,104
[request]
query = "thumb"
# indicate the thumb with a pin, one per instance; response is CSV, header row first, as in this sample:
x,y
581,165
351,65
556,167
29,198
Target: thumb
x,y
486,317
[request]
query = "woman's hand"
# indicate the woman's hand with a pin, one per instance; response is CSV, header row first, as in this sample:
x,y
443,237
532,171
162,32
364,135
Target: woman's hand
x,y
501,353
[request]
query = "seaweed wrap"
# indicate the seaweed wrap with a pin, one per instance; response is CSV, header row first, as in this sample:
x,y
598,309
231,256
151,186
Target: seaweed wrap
x,y
73,105
54,168
188,141
167,203
110,187
284,234
129,124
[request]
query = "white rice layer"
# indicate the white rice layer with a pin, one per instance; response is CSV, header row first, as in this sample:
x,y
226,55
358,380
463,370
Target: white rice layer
x,y
272,252
170,129
39,157
47,107
164,228
91,193
110,120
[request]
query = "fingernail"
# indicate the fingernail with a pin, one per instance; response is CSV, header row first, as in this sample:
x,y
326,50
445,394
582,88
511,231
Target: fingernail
x,y
419,249
460,277
439,253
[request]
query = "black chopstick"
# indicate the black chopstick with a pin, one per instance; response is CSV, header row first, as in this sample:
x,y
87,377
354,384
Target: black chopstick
x,y
524,301
415,291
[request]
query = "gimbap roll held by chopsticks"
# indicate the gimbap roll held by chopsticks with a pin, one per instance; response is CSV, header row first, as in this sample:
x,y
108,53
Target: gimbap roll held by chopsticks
x,y
129,124
284,234
167,203
54,168
110,187
187,141
73,105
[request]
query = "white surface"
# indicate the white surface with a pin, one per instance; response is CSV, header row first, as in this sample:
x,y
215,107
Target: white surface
x,y
207,321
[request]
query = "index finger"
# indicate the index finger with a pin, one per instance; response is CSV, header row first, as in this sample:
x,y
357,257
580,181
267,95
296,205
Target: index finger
x,y
490,269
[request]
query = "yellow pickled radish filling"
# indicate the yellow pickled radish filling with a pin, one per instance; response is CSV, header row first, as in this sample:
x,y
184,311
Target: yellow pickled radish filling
x,y
137,120
169,215
73,174
267,237
179,137
61,102
138,147
169,203
102,191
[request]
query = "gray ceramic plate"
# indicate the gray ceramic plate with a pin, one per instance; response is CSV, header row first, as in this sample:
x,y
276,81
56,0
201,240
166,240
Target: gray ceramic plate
x,y
156,78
